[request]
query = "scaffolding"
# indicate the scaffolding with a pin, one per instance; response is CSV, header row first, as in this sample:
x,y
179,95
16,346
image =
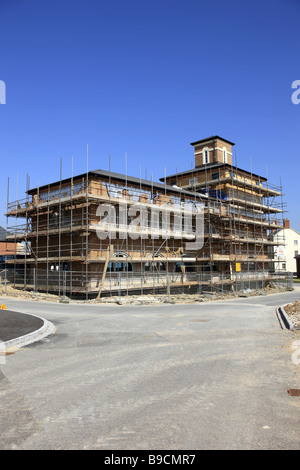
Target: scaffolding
x,y
67,253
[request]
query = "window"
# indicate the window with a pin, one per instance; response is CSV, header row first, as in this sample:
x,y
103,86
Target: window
x,y
215,176
193,181
59,267
56,219
205,156
181,267
296,242
296,253
252,266
224,155
155,266
119,267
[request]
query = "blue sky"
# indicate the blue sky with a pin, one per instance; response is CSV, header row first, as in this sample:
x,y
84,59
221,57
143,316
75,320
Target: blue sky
x,y
146,78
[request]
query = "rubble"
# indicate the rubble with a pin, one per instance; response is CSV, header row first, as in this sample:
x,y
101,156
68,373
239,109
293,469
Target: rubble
x,y
150,299
10,291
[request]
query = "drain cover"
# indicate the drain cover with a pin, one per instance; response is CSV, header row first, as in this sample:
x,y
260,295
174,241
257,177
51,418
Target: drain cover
x,y
294,392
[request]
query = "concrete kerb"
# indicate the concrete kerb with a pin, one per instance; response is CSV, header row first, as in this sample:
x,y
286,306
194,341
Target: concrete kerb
x,y
47,329
283,318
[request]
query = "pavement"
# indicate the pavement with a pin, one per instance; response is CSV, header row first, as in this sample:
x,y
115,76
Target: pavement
x,y
19,329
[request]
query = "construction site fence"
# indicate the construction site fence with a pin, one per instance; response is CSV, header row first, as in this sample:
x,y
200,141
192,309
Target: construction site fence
x,y
89,284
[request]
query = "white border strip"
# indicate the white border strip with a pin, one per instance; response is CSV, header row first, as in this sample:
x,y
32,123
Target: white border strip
x,y
47,329
284,319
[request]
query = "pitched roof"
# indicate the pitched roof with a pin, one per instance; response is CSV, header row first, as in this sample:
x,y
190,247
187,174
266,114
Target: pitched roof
x,y
213,137
123,178
215,165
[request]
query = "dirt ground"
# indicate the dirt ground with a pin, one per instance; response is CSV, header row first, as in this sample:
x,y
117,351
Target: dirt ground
x,y
137,299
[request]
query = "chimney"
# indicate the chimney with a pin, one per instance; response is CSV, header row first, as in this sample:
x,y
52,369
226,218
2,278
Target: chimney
x,y
286,223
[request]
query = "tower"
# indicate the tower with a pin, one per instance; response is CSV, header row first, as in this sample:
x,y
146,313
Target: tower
x,y
214,149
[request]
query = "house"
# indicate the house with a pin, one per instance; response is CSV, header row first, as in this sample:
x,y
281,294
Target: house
x,y
288,248
298,266
107,233
9,249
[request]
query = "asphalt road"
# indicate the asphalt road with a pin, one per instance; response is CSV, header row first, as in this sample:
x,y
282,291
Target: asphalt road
x,y
204,376
15,324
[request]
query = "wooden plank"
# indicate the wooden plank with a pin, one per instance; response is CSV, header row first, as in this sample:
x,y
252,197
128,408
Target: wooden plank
x,y
109,255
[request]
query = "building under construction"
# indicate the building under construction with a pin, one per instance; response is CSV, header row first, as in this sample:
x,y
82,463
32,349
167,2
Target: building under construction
x,y
208,229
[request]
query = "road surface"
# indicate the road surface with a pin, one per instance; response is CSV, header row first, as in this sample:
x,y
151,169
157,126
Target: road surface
x,y
210,375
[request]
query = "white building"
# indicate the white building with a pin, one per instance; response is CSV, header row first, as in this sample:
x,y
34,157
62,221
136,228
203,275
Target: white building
x,y
289,247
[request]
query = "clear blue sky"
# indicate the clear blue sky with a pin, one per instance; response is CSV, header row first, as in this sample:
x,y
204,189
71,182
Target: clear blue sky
x,y
146,78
